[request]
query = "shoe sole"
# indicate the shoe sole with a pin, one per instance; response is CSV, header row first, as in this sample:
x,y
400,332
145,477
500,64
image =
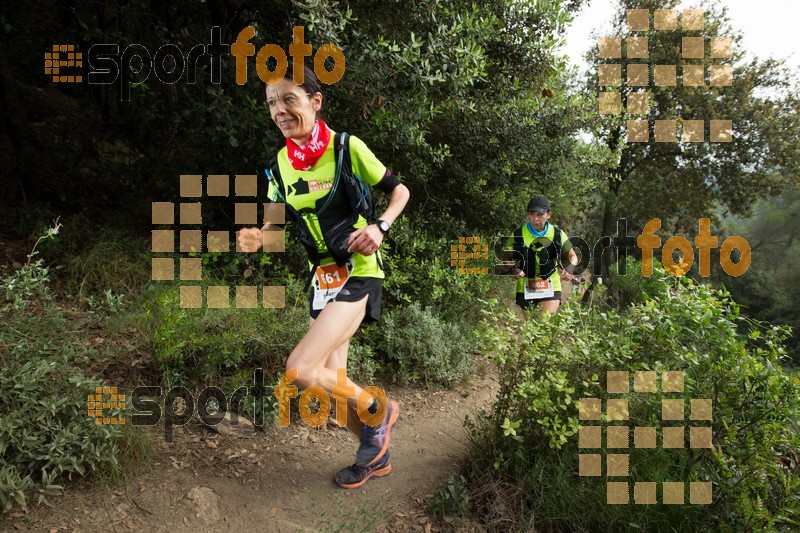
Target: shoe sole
x,y
375,473
392,422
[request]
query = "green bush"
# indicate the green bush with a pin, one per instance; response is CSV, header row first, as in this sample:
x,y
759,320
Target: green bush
x,y
633,287
418,346
529,439
197,348
418,270
362,363
30,282
45,433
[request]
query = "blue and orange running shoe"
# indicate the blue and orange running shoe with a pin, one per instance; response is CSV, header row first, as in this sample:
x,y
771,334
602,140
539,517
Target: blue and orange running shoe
x,y
354,476
375,439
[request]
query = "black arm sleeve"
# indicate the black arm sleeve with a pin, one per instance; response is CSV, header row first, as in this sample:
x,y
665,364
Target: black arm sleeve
x,y
388,182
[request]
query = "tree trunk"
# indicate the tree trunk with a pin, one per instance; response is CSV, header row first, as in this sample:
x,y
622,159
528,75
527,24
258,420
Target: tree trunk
x,y
608,255
609,230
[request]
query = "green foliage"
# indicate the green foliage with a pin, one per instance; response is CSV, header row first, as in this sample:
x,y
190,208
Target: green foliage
x,y
529,438
632,287
30,283
641,179
45,434
418,270
452,499
107,302
436,89
362,363
420,347
770,289
205,346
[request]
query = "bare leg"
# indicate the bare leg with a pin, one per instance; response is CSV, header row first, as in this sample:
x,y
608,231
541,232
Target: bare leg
x,y
336,360
312,358
550,306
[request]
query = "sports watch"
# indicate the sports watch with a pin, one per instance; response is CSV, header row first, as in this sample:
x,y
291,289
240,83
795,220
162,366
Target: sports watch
x,y
383,226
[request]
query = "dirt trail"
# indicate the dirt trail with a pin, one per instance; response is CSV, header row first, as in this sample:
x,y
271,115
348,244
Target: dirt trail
x,y
281,479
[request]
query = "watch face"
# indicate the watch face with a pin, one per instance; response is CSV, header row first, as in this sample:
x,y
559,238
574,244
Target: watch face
x,y
383,225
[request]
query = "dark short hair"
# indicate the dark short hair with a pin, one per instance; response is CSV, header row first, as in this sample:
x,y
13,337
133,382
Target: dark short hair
x,y
310,81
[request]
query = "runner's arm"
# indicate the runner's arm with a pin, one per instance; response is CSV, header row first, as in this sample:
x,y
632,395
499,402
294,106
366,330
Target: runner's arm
x,y
572,257
251,239
367,240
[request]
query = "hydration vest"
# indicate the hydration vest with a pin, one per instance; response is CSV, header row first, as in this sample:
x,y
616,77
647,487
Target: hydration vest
x,y
337,212
547,257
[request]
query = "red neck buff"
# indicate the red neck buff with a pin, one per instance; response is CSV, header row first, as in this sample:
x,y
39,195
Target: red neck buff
x,y
305,158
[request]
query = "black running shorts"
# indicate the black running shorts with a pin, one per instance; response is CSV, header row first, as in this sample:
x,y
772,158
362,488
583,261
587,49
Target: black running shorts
x,y
355,288
529,304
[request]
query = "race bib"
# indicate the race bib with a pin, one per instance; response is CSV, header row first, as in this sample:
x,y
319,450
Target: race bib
x,y
537,289
328,281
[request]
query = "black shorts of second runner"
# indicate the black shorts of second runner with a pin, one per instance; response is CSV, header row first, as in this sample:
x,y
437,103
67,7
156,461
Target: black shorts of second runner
x,y
529,304
355,288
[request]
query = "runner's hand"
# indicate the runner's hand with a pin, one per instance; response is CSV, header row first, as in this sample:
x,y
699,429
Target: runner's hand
x,y
518,274
249,239
365,241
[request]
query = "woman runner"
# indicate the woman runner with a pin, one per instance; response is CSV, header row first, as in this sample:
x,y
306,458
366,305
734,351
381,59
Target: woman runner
x,y
343,295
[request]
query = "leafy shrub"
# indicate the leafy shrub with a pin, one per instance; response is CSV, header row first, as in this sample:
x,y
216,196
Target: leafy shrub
x,y
221,347
421,347
529,439
30,282
362,363
419,270
633,287
45,434
451,499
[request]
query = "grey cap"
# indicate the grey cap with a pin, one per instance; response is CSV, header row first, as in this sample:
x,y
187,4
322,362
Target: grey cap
x,y
540,204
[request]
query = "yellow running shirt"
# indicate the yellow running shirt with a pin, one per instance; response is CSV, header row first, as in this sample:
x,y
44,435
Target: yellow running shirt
x,y
304,187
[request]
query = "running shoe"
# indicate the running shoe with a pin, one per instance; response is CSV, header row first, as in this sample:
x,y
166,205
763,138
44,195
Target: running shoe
x,y
375,439
354,476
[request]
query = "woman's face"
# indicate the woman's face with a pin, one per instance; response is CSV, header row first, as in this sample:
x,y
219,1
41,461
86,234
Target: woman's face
x,y
293,110
538,220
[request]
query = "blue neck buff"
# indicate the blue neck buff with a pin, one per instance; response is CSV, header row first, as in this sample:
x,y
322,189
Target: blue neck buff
x,y
536,233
